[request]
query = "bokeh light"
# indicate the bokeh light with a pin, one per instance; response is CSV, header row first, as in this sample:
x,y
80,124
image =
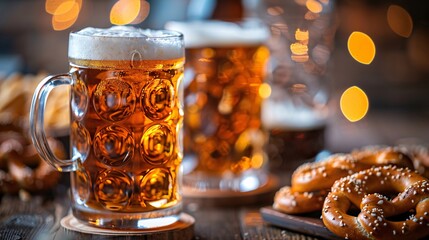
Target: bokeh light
x,y
314,6
64,12
361,47
354,104
143,13
52,5
67,11
124,11
264,90
399,21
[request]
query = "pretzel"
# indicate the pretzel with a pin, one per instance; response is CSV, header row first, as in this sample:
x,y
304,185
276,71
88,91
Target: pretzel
x,y
33,173
364,190
420,156
311,182
291,202
22,168
321,175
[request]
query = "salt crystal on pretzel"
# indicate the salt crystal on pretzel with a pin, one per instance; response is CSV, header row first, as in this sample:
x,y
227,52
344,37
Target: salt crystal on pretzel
x,y
365,190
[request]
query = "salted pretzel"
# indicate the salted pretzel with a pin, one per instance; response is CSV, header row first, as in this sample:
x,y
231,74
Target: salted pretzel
x,y
369,190
292,202
311,182
420,156
321,175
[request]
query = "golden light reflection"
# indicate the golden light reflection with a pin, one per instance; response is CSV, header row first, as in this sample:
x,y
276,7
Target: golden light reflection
x,y
264,90
399,21
257,160
65,13
354,104
361,47
301,35
143,13
299,49
52,5
124,11
314,6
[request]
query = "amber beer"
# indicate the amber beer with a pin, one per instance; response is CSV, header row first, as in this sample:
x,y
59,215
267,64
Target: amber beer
x,y
126,119
223,136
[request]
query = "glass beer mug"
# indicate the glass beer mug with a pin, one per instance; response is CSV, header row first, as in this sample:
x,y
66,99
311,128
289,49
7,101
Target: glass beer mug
x,y
225,70
126,120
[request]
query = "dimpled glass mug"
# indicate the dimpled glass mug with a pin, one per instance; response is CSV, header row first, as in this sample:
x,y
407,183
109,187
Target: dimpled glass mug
x,y
126,121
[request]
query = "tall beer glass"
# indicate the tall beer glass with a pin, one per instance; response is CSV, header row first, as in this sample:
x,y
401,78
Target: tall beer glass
x,y
298,110
125,133
224,140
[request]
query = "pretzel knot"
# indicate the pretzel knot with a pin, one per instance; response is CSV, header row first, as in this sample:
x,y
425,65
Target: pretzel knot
x,y
311,182
379,216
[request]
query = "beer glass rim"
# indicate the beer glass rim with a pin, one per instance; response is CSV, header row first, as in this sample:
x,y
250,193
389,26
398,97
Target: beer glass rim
x,y
221,33
167,33
125,43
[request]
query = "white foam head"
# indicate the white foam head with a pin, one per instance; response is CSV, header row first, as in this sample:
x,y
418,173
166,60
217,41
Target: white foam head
x,y
123,42
220,33
286,115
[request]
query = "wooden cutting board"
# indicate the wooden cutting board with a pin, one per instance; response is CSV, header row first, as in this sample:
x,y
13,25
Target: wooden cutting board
x,y
308,224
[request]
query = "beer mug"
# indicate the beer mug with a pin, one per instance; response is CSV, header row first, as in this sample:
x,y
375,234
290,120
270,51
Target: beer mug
x,y
223,136
126,120
297,111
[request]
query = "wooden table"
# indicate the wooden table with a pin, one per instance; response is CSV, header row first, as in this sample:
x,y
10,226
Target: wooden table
x,y
38,217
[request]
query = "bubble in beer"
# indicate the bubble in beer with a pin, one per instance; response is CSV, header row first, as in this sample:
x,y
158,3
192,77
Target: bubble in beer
x,y
114,145
157,99
81,186
113,189
156,184
114,100
80,140
157,144
79,99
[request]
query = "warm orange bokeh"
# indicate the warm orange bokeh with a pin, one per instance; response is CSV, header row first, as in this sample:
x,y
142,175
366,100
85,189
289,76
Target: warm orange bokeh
x,y
301,35
314,6
264,90
354,104
399,21
143,13
64,12
124,11
52,5
361,47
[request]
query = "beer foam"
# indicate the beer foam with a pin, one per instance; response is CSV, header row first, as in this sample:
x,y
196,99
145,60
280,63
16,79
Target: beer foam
x,y
220,34
285,115
125,43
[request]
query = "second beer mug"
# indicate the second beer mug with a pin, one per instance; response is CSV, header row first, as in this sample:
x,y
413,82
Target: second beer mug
x,y
126,119
225,70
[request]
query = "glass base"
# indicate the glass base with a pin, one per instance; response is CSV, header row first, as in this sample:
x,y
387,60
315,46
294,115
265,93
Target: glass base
x,y
245,182
127,221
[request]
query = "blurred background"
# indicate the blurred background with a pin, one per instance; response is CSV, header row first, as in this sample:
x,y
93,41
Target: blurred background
x,y
34,38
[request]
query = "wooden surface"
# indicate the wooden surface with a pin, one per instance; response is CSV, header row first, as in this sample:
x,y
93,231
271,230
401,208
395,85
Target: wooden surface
x,y
38,217
308,224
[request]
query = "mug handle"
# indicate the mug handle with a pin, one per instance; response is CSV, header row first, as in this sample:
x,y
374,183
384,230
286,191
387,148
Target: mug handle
x,y
37,126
